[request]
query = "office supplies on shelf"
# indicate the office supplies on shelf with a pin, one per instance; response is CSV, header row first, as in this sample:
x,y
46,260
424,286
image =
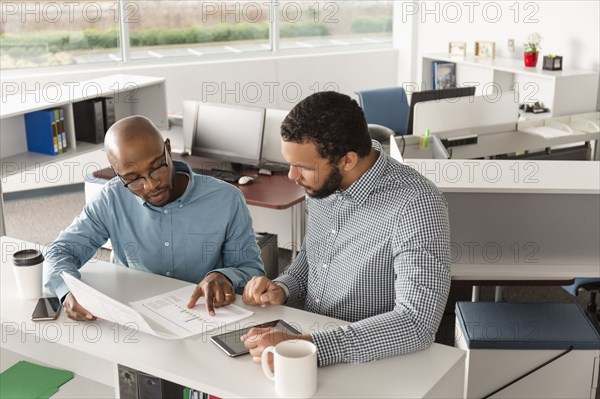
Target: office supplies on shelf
x,y
42,131
424,142
59,114
108,111
220,174
89,120
169,314
28,380
444,75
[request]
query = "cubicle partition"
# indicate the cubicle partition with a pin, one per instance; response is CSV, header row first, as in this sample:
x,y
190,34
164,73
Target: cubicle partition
x,y
516,221
525,235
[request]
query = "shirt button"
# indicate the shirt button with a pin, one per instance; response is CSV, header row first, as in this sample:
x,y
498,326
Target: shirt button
x,y
167,243
181,205
168,274
166,211
317,301
325,265
332,231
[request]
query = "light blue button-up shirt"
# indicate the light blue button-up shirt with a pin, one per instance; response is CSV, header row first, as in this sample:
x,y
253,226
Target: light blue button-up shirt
x,y
208,228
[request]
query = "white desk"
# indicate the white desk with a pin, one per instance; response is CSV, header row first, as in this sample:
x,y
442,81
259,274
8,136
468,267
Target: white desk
x,y
92,349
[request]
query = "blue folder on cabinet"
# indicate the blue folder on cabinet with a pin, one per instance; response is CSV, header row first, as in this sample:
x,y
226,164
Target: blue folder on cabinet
x,y
42,132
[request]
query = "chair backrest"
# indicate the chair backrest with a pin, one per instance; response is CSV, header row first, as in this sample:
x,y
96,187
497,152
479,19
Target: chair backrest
x,y
386,106
379,132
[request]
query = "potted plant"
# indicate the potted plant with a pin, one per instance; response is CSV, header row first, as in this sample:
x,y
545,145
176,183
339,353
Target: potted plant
x,y
532,48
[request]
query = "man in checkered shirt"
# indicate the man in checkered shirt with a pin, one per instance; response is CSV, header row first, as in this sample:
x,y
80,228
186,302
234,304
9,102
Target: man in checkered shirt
x,y
377,248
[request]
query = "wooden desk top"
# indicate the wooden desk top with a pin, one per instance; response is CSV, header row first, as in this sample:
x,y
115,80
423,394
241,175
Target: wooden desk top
x,y
274,192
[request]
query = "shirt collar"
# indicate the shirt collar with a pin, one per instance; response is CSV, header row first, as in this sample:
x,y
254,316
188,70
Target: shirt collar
x,y
180,167
361,188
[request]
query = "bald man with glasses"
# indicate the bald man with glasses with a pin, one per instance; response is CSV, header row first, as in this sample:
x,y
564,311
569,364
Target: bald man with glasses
x,y
161,218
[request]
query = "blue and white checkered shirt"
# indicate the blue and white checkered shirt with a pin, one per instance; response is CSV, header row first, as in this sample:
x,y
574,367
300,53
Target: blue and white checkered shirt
x,y
378,256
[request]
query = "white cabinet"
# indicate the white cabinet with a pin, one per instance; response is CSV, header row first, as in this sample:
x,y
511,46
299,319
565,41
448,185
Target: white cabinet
x,y
569,91
23,170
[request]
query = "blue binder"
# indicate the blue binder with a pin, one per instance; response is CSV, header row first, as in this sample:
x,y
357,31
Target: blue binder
x,y
38,128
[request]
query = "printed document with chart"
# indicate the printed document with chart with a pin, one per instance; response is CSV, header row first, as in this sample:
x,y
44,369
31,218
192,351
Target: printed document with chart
x,y
166,315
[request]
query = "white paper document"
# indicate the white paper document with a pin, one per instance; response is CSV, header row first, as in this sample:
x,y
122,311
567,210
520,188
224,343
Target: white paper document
x,y
548,132
169,311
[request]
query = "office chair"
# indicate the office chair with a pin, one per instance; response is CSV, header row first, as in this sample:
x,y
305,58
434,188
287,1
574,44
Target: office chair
x,y
380,133
386,106
593,286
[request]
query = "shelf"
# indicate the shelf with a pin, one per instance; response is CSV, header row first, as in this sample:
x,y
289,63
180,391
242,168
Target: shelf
x,y
565,92
21,169
35,159
511,65
53,96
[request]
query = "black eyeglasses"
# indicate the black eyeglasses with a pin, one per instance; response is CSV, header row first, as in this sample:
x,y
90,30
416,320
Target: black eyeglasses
x,y
156,174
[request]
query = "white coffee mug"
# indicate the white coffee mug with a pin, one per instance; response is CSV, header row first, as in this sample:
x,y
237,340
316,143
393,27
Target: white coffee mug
x,y
28,269
295,368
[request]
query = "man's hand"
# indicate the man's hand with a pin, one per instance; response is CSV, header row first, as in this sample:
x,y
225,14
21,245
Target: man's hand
x,y
258,339
217,290
262,291
75,311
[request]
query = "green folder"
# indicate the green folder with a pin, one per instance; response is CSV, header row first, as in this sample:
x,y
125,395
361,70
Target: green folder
x,y
28,380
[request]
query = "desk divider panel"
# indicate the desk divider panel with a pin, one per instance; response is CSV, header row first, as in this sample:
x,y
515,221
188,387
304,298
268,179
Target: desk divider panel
x,y
524,228
465,113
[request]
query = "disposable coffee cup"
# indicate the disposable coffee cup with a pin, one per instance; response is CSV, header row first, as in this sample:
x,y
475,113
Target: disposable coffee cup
x,y
28,269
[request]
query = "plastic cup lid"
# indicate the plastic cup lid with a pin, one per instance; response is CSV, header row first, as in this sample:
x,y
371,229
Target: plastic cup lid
x,y
27,257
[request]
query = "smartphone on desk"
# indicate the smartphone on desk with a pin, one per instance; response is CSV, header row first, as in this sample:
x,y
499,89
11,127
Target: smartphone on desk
x,y
231,342
46,309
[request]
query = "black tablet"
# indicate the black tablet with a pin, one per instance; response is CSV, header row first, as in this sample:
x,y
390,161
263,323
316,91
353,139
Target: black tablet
x,y
231,343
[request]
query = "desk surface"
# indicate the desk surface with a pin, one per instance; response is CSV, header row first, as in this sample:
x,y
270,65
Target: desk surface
x,y
274,192
197,363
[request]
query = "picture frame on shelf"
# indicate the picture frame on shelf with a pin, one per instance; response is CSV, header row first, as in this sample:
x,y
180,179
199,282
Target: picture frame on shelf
x,y
444,75
485,50
457,48
553,63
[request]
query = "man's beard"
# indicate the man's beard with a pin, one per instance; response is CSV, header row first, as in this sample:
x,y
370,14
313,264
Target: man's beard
x,y
330,186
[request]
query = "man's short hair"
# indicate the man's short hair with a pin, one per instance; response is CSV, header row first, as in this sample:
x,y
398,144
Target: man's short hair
x,y
334,122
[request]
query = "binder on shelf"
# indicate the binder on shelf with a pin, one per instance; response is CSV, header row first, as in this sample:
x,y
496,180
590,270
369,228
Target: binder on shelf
x,y
41,132
61,127
56,137
89,120
149,386
108,108
128,382
444,75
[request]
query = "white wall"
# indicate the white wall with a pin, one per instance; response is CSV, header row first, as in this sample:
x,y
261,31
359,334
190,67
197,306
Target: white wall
x,y
269,82
569,28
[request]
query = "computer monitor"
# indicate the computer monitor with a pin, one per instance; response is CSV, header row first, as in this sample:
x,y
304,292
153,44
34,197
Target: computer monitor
x,y
435,95
223,132
271,151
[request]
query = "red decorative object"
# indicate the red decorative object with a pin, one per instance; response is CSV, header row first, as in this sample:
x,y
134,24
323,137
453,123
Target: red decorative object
x,y
530,59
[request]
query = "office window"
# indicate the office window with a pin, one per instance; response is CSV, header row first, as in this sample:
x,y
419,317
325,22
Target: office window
x,y
47,33
196,28
310,24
